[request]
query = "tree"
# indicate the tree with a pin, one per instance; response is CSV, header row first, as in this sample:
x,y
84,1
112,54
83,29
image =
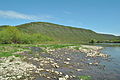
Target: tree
x,y
92,41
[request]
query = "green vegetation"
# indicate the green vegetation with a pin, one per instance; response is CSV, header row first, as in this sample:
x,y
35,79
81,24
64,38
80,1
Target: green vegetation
x,y
48,33
7,50
107,45
77,47
9,35
58,36
85,77
92,41
55,46
14,40
7,54
64,34
105,41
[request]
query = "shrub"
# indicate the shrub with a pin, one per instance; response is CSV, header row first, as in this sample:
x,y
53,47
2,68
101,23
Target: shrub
x,y
13,35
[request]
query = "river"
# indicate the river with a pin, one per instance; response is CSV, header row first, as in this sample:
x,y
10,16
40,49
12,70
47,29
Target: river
x,y
107,69
112,66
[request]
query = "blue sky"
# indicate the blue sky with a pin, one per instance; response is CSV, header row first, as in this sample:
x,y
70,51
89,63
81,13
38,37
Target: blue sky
x,y
98,15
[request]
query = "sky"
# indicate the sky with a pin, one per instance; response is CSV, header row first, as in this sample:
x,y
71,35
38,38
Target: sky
x,y
102,16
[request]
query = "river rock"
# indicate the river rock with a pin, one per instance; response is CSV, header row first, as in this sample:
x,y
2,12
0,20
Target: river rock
x,y
62,79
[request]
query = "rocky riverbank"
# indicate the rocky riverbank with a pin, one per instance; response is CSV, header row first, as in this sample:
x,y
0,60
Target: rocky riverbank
x,y
45,63
13,68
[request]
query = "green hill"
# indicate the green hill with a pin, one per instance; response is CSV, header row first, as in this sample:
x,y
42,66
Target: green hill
x,y
12,34
64,34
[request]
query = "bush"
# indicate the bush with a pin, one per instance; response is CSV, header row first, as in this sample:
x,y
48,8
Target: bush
x,y
11,34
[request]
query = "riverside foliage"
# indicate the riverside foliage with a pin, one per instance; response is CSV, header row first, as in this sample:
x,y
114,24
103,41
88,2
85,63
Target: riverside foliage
x,y
10,34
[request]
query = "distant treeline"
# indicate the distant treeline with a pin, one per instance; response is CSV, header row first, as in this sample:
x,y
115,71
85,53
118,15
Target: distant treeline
x,y
105,41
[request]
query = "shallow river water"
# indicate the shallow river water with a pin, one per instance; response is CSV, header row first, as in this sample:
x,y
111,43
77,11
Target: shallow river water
x,y
107,69
112,66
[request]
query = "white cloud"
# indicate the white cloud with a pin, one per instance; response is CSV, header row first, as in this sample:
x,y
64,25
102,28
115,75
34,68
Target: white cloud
x,y
17,15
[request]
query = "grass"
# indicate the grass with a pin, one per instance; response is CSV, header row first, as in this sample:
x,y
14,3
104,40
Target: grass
x,y
43,32
64,34
55,46
10,50
77,48
85,77
7,54
10,34
7,50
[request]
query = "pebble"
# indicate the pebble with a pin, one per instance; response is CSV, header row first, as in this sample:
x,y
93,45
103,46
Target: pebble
x,y
62,79
67,62
68,59
66,76
90,63
79,69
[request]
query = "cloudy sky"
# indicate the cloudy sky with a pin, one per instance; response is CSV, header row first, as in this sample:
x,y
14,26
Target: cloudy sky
x,y
98,15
